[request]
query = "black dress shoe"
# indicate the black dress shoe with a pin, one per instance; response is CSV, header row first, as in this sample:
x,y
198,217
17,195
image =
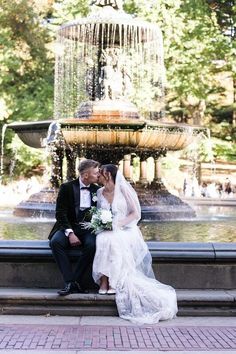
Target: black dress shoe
x,y
70,288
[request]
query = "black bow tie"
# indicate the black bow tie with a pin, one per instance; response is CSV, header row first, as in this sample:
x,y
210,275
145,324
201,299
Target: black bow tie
x,y
88,188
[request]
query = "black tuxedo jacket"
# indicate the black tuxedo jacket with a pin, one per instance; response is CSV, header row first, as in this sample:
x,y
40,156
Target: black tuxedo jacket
x,y
68,213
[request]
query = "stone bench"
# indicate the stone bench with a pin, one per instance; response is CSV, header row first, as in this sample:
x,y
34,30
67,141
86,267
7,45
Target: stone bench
x,y
29,264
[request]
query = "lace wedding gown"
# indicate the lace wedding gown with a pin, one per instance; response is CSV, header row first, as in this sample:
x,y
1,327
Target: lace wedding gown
x,y
123,256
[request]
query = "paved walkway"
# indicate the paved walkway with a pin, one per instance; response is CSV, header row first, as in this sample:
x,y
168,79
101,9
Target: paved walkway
x,y
61,334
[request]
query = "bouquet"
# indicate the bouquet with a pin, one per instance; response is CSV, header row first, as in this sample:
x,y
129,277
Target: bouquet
x,y
101,220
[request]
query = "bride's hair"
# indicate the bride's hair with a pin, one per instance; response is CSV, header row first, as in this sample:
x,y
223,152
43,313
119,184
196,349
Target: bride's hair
x,y
109,168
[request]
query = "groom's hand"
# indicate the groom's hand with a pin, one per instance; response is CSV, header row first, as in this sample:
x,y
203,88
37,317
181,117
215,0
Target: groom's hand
x,y
74,240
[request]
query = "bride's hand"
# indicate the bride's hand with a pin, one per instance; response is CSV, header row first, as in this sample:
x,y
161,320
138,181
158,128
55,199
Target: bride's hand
x,y
118,225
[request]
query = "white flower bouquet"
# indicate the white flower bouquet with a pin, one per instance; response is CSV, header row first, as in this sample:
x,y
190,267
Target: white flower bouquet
x,y
101,220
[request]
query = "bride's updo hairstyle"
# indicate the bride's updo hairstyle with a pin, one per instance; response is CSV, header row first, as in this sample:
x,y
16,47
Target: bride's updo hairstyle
x,y
112,169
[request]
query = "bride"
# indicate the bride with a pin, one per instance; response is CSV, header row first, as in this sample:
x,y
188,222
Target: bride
x,y
122,263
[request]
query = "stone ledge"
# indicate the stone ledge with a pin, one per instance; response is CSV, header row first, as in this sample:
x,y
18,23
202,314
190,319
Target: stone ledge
x,y
30,264
183,295
46,301
210,201
160,251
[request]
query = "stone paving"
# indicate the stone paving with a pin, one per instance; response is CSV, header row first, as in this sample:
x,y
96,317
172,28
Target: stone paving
x,y
117,338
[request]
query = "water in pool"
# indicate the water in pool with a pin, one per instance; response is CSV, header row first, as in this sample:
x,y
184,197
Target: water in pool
x,y
212,224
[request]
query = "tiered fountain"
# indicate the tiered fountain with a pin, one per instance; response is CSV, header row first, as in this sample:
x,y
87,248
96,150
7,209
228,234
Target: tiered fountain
x,y
109,106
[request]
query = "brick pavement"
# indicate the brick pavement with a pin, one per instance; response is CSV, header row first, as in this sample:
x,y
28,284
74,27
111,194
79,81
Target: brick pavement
x,y
93,337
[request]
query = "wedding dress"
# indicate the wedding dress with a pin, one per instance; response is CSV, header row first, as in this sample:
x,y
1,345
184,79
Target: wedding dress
x,y
123,256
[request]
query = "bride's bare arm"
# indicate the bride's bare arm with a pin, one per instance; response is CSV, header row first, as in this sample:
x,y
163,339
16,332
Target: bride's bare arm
x,y
134,213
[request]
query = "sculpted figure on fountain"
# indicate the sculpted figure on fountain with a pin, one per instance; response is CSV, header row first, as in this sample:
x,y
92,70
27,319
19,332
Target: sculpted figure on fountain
x,y
115,79
116,4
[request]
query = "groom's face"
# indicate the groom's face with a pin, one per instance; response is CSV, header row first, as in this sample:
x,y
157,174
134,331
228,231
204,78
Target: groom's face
x,y
90,175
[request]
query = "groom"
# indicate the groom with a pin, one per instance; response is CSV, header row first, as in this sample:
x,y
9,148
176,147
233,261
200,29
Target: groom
x,y
74,201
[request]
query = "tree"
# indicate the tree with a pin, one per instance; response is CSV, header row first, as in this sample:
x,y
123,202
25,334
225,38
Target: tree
x,y
225,12
67,10
26,81
193,45
26,64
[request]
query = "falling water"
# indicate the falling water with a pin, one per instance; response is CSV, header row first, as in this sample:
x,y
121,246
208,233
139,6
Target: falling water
x,y
200,150
109,56
2,150
210,153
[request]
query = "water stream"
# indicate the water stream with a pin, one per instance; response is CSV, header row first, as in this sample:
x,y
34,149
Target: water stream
x,y
108,55
4,127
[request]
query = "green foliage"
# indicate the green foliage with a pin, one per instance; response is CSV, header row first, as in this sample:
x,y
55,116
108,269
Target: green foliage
x,y
25,160
201,150
26,82
223,114
225,11
26,79
194,47
223,130
171,162
67,10
224,150
210,150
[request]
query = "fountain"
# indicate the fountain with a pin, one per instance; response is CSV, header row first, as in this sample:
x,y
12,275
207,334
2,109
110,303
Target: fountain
x,y
109,106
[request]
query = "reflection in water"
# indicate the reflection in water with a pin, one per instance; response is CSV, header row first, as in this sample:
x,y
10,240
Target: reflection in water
x,y
217,226
215,223
17,228
189,231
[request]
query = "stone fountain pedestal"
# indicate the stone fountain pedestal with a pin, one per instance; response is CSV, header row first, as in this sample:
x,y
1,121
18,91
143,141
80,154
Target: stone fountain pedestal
x,y
156,204
41,204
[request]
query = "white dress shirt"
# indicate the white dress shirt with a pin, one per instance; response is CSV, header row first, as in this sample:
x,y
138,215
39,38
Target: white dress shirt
x,y
85,196
85,201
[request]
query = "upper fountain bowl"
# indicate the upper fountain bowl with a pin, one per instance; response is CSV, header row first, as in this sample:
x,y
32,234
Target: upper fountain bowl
x,y
111,25
128,133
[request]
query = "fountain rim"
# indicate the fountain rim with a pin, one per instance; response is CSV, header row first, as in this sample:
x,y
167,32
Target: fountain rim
x,y
41,124
111,18
131,130
130,123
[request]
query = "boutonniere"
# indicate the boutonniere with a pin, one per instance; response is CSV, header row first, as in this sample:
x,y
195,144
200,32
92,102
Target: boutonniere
x,y
94,197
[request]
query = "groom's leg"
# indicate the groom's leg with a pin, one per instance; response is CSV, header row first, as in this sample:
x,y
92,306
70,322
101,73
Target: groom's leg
x,y
86,258
60,245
